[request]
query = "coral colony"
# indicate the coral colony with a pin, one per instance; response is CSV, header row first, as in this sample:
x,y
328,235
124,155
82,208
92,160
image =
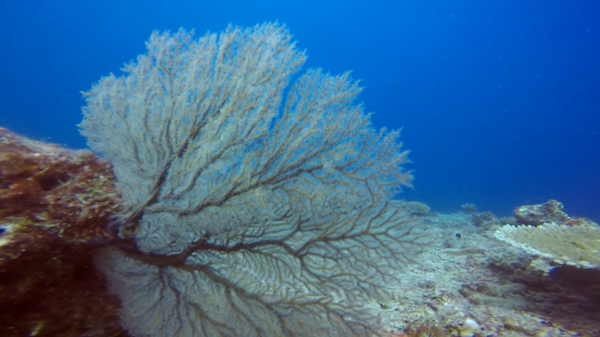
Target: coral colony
x,y
246,214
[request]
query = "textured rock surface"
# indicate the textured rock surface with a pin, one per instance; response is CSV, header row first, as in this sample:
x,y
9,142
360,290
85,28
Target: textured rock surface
x,y
551,211
54,207
577,245
475,285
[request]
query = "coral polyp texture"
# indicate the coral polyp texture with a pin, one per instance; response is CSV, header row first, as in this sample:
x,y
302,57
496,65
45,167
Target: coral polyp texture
x,y
247,214
54,207
546,230
577,245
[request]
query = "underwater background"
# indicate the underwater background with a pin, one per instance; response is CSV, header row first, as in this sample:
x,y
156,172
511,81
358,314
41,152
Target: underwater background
x,y
499,100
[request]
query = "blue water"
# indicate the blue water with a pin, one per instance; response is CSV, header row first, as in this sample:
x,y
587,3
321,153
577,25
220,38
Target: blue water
x,y
499,100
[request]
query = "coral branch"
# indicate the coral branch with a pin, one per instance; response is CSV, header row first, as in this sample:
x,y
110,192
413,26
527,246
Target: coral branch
x,y
244,216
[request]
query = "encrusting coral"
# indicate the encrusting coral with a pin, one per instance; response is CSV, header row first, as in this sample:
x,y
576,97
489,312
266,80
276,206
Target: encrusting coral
x,y
54,207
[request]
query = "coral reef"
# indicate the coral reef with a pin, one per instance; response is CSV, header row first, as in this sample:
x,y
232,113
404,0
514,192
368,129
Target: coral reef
x,y
509,220
234,217
577,245
545,230
551,211
54,207
479,286
469,208
485,219
480,219
474,285
416,208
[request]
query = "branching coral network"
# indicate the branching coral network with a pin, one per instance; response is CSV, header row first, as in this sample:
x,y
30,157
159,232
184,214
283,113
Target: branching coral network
x,y
246,214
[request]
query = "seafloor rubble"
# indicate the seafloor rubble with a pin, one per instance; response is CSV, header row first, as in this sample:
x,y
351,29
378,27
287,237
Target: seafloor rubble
x,y
468,283
55,204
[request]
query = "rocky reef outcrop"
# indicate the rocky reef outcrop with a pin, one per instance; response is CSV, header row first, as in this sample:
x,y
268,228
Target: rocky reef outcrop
x,y
54,207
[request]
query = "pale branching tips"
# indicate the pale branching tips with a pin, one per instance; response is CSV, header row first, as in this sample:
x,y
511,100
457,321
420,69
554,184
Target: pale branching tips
x,y
247,214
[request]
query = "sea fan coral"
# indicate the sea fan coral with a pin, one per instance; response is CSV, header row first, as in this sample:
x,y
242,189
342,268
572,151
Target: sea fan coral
x,y
242,217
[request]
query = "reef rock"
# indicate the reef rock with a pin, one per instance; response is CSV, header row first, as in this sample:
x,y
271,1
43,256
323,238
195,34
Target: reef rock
x,y
549,212
54,207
